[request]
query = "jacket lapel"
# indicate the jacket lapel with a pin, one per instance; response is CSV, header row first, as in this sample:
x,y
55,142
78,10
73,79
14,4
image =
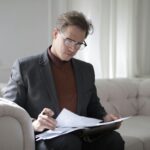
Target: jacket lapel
x,y
79,81
47,77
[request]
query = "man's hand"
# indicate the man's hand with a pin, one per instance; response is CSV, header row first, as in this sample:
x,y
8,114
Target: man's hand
x,y
44,121
111,117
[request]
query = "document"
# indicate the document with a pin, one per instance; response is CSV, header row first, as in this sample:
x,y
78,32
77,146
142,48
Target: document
x,y
67,118
68,121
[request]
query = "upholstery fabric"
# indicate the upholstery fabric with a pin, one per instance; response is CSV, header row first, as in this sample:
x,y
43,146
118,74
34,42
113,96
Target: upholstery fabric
x,y
124,97
2,85
144,97
118,96
129,97
16,132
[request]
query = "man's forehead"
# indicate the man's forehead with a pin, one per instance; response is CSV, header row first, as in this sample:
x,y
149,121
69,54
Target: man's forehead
x,y
74,32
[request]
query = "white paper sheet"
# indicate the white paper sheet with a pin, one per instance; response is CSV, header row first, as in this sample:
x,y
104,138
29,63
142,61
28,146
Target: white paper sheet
x,y
69,119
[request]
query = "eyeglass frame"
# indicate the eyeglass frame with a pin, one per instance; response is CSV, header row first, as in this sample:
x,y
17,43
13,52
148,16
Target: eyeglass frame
x,y
71,42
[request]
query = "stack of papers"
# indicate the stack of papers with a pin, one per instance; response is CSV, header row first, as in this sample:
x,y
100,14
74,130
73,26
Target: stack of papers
x,y
68,121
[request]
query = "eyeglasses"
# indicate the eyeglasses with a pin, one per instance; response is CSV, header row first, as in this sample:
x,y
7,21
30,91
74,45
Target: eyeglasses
x,y
71,43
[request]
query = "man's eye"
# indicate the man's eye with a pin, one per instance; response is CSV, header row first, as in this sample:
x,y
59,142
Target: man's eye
x,y
69,41
79,44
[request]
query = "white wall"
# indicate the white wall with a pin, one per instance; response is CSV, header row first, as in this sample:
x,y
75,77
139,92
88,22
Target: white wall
x,y
23,31
55,8
26,25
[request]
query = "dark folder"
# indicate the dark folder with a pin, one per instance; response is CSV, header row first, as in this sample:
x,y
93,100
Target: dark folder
x,y
91,133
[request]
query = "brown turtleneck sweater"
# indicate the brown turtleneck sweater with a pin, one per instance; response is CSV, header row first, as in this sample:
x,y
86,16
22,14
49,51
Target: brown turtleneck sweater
x,y
65,82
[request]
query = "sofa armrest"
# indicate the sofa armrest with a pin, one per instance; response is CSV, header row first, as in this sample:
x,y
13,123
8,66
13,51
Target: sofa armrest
x,y
2,85
15,127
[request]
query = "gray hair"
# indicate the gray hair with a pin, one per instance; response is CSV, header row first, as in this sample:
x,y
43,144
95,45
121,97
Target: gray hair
x,y
74,18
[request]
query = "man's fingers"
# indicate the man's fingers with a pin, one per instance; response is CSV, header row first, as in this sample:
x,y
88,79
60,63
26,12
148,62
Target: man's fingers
x,y
47,121
48,112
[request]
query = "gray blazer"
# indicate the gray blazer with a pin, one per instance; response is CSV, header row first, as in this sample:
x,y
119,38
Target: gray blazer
x,y
31,86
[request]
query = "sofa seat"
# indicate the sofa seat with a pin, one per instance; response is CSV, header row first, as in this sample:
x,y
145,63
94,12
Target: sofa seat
x,y
128,97
137,129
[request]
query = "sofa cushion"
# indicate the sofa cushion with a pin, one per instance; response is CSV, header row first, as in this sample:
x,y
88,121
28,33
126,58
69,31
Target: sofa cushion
x,y
118,96
137,128
132,143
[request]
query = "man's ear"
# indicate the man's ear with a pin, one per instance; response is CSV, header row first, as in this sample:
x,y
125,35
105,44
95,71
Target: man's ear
x,y
55,33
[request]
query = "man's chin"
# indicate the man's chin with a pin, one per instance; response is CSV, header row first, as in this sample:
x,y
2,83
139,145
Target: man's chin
x,y
66,58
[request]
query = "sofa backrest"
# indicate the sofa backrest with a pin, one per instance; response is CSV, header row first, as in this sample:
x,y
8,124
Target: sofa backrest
x,y
144,97
122,96
125,97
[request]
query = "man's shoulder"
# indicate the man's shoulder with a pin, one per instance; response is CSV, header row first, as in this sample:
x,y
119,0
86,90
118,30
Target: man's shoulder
x,y
31,59
29,63
85,69
82,65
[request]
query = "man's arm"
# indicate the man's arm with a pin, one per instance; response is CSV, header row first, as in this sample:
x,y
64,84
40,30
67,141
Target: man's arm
x,y
15,89
94,109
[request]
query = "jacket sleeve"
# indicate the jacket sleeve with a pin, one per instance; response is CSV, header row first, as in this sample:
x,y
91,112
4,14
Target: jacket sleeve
x,y
15,89
94,109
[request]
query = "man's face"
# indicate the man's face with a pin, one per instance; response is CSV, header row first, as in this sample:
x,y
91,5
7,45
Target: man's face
x,y
67,43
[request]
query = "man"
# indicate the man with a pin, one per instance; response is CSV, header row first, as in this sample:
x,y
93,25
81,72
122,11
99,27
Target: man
x,y
45,84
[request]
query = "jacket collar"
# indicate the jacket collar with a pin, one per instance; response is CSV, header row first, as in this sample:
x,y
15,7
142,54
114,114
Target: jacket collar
x,y
44,58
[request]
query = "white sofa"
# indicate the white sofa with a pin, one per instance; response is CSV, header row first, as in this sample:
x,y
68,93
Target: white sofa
x,y
129,97
124,97
16,132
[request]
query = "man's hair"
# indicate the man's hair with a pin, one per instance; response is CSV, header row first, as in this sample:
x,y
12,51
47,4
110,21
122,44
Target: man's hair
x,y
74,18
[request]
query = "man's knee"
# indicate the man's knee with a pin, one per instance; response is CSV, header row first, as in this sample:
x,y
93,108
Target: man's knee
x,y
40,145
118,137
117,141
71,142
65,142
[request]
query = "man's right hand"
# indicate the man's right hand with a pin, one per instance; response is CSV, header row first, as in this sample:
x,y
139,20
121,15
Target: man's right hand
x,y
44,121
